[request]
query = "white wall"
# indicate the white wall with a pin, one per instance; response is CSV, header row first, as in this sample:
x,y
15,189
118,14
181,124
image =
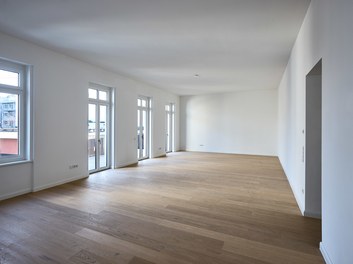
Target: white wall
x,y
326,34
15,180
60,101
240,122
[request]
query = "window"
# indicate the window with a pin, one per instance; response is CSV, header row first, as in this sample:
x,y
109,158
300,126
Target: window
x,y
170,119
14,116
143,127
99,124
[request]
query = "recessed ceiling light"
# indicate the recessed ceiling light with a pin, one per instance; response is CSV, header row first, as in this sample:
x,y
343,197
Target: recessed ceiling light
x,y
196,75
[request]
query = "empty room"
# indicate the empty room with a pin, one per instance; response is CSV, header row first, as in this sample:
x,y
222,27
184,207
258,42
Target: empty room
x,y
199,131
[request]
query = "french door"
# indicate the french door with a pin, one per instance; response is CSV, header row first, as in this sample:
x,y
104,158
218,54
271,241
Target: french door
x,y
143,127
99,109
169,127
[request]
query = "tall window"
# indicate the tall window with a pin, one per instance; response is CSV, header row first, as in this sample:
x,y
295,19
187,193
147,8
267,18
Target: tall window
x,y
99,109
169,127
144,105
13,114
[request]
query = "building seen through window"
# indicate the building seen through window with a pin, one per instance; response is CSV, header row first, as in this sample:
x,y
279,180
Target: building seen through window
x,y
8,125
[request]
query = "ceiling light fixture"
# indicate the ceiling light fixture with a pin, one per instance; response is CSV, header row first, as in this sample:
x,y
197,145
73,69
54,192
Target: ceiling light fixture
x,y
196,75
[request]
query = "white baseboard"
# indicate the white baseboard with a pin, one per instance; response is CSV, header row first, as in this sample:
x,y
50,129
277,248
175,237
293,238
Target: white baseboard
x,y
325,254
125,164
295,196
14,194
160,156
46,186
293,190
316,215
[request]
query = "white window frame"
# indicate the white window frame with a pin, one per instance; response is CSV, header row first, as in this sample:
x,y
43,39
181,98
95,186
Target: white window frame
x,y
23,92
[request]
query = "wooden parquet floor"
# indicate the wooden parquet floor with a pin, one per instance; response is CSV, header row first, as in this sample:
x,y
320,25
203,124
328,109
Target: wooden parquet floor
x,y
186,208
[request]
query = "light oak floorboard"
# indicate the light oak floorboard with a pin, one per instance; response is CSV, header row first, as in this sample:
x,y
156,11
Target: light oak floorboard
x,y
185,208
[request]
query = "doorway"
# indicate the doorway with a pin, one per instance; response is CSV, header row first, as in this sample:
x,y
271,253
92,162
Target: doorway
x,y
169,130
313,141
143,127
99,109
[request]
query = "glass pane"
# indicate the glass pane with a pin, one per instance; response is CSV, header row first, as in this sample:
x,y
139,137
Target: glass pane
x,y
167,108
144,133
138,119
103,138
9,125
172,133
144,103
103,95
168,132
173,107
138,102
138,135
91,137
92,94
9,78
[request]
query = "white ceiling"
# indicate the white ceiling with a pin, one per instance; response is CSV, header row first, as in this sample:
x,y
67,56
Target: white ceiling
x,y
231,44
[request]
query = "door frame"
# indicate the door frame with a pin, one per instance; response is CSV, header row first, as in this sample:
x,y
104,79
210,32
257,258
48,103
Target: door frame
x,y
312,152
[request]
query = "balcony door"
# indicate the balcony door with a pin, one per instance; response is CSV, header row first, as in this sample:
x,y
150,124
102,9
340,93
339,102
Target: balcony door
x,y
169,127
99,109
143,127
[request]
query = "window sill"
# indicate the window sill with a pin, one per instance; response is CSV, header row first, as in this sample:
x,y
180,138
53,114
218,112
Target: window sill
x,y
13,163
